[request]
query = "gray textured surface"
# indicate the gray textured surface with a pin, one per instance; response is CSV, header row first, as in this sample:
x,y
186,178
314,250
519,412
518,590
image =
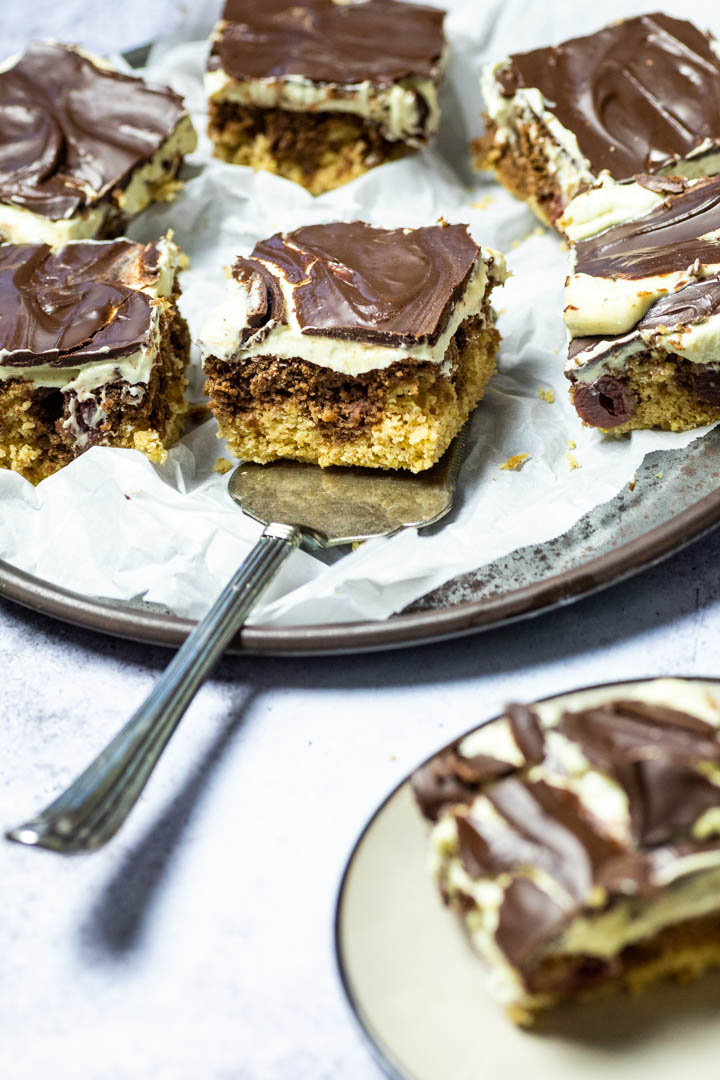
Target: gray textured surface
x,y
199,944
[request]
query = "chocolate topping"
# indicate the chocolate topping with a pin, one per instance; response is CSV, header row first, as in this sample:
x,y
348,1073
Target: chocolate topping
x,y
75,305
266,299
667,239
70,131
605,403
639,94
658,756
527,732
380,41
696,301
354,282
528,918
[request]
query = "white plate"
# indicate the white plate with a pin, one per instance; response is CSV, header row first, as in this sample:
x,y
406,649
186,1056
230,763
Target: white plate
x,y
417,987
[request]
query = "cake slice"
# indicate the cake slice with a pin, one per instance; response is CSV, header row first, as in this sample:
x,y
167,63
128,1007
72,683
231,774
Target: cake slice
x,y
92,351
345,344
580,843
320,91
640,96
83,148
643,304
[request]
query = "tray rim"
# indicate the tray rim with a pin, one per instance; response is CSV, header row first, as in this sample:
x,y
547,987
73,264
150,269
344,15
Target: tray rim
x,y
381,1055
118,619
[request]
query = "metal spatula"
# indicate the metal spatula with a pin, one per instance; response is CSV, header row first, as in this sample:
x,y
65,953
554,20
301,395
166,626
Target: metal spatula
x,y
299,505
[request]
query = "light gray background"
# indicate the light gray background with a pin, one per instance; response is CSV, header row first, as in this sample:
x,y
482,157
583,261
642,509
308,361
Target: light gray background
x,y
198,946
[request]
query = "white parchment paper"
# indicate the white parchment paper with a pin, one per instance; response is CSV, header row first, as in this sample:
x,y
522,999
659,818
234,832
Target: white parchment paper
x,y
111,524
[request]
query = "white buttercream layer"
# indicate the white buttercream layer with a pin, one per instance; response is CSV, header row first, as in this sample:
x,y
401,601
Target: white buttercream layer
x,y
222,332
407,111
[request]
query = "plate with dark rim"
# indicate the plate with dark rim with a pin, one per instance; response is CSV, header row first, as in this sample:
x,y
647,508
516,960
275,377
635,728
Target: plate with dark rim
x,y
417,988
673,500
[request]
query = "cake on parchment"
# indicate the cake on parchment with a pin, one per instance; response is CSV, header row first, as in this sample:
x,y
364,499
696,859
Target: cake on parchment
x,y
83,148
344,344
320,91
642,304
92,351
580,843
639,96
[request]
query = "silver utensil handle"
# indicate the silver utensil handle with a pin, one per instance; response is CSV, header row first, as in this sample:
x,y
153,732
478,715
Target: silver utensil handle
x,y
91,810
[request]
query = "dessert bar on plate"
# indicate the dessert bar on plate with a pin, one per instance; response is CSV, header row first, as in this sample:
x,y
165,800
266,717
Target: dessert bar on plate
x,y
320,91
643,304
92,351
580,843
640,96
344,344
83,148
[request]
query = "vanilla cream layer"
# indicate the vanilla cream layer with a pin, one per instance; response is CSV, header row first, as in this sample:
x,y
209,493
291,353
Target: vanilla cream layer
x,y
408,111
692,883
134,369
148,182
224,327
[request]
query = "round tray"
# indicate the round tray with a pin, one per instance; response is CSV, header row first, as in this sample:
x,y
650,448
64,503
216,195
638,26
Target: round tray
x,y
675,499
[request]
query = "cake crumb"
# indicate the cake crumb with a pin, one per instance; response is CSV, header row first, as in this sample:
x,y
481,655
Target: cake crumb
x,y
222,465
482,204
572,445
631,485
573,461
514,463
546,395
659,475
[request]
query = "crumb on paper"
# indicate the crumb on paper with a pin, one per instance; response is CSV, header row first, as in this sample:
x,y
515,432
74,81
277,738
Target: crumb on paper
x,y
659,475
356,544
573,461
546,395
631,485
572,445
514,463
482,204
500,310
222,465
198,413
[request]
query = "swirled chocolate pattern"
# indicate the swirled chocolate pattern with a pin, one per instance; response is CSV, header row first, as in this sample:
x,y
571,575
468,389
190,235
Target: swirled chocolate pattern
x,y
77,305
671,237
638,95
379,40
70,130
351,281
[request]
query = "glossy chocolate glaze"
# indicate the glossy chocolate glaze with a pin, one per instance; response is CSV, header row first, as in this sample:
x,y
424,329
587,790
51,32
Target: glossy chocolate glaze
x,y
383,286
639,94
667,239
76,305
71,131
380,41
656,755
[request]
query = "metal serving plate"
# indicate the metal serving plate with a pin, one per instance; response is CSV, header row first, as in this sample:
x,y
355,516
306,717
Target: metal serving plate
x,y
675,500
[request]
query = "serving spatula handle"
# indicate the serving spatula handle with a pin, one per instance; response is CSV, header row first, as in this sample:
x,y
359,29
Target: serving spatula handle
x,y
95,805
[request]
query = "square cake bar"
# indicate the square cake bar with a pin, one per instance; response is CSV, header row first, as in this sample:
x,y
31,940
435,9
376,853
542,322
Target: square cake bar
x,y
92,351
580,846
83,148
640,96
320,91
345,344
643,304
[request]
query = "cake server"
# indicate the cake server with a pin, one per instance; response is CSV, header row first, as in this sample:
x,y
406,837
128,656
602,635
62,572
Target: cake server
x,y
299,506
